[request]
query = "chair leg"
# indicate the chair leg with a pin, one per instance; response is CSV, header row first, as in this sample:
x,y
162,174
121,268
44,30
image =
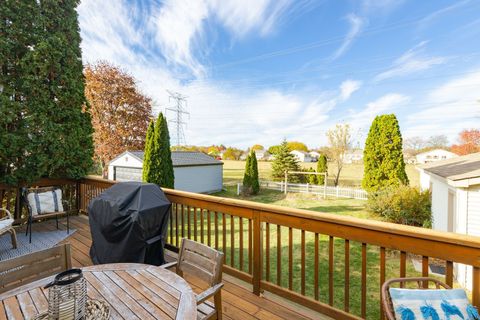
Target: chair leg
x,y
13,235
217,300
30,223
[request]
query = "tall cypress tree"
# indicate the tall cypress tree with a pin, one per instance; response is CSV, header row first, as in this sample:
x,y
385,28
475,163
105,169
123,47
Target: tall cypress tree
x,y
46,128
148,151
284,161
247,177
159,160
322,166
383,155
251,184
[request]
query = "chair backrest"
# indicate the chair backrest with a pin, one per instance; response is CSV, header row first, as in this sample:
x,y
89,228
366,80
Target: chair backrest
x,y
200,261
31,267
27,191
421,282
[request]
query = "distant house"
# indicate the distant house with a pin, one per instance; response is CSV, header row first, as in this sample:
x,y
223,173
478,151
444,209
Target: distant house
x,y
194,171
301,156
314,155
434,155
261,154
353,156
455,187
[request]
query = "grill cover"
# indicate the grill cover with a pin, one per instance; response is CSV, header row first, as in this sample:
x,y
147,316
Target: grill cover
x,y
129,223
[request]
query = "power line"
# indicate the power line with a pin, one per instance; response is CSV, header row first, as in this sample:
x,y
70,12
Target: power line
x,y
179,111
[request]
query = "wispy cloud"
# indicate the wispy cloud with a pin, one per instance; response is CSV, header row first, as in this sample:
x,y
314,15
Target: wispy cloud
x,y
437,14
385,6
412,61
356,24
348,87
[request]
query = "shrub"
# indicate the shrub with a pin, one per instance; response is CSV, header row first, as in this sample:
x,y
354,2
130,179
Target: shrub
x,y
402,204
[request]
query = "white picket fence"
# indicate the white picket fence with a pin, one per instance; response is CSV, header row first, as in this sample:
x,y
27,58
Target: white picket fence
x,y
338,192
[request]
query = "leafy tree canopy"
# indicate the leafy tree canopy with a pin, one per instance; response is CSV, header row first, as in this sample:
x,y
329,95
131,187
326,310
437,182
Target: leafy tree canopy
x,y
469,142
296,145
257,147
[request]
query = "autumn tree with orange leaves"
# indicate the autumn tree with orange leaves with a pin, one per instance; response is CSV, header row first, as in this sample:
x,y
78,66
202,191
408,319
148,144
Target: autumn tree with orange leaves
x,y
469,142
120,112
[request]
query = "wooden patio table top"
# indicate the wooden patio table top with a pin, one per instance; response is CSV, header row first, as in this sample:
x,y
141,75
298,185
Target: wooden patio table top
x,y
133,291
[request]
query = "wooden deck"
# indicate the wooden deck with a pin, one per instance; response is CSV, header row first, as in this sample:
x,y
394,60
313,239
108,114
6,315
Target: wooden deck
x,y
238,300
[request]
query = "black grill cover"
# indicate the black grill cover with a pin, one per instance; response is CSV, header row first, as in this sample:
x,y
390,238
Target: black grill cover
x,y
129,223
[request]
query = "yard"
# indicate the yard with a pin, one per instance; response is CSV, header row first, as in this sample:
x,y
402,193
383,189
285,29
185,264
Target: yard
x,y
351,174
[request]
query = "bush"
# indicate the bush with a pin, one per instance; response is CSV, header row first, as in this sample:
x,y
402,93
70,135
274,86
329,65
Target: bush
x,y
402,204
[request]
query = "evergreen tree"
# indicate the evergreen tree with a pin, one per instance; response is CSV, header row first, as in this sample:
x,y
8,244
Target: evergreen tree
x,y
383,156
251,184
322,166
46,126
312,178
284,161
159,167
148,151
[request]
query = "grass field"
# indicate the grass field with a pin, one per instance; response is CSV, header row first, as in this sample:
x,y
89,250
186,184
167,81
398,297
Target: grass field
x,y
351,174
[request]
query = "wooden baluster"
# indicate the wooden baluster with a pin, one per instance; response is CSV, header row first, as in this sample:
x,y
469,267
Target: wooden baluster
x,y
425,271
290,258
449,273
382,278
267,251
182,220
209,225
347,276
403,266
224,236
176,225
315,268
194,224
216,229
364,281
171,224
202,222
240,230
330,270
302,277
279,255
188,221
476,287
250,245
232,241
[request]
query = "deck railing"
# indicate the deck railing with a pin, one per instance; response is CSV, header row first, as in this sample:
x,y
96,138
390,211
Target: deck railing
x,y
332,264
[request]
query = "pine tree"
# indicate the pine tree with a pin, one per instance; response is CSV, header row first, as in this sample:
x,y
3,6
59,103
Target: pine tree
x,y
148,151
383,156
247,176
251,184
322,166
284,161
48,126
159,166
312,178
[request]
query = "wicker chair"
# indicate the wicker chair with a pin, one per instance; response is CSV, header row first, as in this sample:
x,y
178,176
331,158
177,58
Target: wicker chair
x,y
422,283
206,264
6,225
42,216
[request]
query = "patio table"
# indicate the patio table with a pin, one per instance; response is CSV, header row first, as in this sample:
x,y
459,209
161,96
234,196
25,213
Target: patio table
x,y
133,291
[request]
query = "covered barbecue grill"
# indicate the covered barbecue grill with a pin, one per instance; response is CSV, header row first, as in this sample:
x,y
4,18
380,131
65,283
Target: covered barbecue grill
x,y
129,224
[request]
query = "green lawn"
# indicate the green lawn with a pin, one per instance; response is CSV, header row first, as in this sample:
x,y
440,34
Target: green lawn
x,y
351,174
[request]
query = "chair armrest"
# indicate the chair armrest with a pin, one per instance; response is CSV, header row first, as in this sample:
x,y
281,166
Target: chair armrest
x,y
9,215
169,265
209,293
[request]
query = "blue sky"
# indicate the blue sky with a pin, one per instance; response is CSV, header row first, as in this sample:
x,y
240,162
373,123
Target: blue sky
x,y
258,71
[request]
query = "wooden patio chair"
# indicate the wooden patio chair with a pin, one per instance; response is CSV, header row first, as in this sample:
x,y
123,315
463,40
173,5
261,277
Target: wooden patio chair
x,y
206,264
31,267
420,281
6,225
35,213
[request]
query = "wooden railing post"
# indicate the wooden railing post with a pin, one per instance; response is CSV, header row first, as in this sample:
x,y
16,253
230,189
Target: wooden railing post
x,y
257,252
78,196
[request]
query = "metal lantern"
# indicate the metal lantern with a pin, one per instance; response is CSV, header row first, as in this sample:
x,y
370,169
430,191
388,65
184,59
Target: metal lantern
x,y
67,295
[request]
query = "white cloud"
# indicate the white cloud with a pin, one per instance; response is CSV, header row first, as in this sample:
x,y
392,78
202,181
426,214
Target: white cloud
x,y
410,62
381,5
356,24
436,14
348,87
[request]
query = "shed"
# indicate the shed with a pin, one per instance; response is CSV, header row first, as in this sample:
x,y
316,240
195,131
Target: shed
x,y
194,171
455,187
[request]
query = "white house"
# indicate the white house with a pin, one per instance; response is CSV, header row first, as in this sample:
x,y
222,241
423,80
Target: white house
x,y
455,188
434,155
301,156
194,171
353,156
261,154
314,155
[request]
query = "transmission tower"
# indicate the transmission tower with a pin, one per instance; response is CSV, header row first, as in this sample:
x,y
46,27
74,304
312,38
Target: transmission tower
x,y
176,121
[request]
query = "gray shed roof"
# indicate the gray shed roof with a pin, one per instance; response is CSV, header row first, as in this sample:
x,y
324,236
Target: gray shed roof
x,y
183,158
459,168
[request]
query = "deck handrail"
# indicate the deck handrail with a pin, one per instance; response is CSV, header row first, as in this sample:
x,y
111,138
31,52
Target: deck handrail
x,y
250,234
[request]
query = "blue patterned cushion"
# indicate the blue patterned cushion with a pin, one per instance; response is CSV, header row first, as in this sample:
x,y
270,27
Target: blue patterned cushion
x,y
429,304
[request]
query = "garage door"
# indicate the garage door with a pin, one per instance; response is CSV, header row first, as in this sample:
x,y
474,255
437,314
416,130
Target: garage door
x,y
127,174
